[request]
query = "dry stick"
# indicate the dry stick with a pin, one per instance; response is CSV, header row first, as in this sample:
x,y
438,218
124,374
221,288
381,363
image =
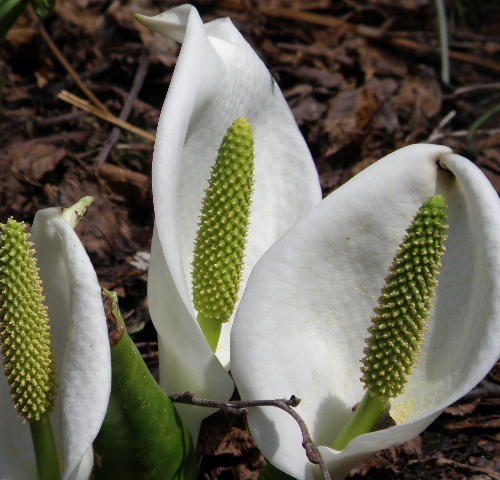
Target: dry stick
x,y
463,57
89,108
444,462
64,62
362,30
64,118
140,75
461,133
442,124
99,110
240,408
476,88
485,389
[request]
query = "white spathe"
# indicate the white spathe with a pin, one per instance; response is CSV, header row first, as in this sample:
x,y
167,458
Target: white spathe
x,y
82,354
302,322
218,78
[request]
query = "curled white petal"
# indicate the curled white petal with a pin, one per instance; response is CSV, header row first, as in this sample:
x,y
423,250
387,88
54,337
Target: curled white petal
x,y
303,320
218,78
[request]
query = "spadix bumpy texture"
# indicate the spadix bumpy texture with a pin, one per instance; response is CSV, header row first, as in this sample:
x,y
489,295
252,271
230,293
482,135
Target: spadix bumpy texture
x,y
220,243
404,306
24,330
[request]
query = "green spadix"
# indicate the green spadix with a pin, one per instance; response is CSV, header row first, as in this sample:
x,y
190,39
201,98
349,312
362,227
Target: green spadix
x,y
221,240
26,343
400,319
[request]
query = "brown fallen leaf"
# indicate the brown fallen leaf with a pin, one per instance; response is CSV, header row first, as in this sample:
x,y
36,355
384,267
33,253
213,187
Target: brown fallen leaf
x,y
481,422
366,106
31,161
461,409
132,185
424,91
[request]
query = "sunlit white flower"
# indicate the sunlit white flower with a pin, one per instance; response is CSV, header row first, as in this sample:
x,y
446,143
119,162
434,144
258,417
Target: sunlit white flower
x,y
218,78
302,322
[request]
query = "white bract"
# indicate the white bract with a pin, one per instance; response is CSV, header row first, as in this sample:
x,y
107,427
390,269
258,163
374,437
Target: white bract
x,y
218,78
83,364
302,322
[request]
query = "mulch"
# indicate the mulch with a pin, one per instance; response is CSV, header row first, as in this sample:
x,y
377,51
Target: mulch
x,y
363,78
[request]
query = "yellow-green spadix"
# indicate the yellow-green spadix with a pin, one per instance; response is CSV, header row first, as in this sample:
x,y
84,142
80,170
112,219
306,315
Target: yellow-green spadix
x,y
27,350
404,306
301,325
81,353
221,240
400,319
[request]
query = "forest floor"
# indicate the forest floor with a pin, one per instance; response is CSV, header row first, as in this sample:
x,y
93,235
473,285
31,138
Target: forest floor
x,y
362,77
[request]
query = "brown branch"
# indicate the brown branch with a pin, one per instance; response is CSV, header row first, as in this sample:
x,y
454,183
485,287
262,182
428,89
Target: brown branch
x,y
408,44
241,408
436,135
140,75
89,108
64,62
98,109
470,469
485,389
377,34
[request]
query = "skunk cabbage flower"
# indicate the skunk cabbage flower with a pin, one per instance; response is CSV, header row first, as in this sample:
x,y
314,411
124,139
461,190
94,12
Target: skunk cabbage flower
x,y
218,79
82,358
302,322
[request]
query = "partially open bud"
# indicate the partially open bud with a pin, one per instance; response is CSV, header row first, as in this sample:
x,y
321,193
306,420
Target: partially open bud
x,y
75,213
24,331
221,240
405,303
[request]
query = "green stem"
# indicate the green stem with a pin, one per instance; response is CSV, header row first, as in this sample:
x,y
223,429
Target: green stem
x,y
211,328
47,464
363,420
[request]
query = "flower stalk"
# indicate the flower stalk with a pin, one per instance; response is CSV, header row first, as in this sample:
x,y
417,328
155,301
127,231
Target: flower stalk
x,y
47,464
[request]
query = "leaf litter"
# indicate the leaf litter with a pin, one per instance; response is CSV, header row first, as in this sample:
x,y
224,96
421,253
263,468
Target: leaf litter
x,y
362,79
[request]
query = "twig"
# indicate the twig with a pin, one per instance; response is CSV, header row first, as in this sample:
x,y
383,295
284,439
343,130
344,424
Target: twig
x,y
495,86
484,390
64,62
241,408
377,34
140,75
84,105
447,118
60,119
98,109
408,44
470,469
462,133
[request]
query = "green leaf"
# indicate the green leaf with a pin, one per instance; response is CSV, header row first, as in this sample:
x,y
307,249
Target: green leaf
x,y
142,437
10,10
44,8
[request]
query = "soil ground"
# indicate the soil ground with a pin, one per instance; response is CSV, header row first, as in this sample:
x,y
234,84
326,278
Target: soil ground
x,y
362,78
